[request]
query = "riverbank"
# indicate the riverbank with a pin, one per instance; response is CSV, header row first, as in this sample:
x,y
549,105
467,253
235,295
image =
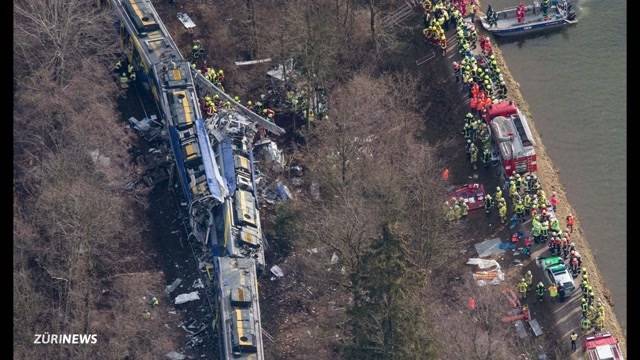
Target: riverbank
x,y
549,177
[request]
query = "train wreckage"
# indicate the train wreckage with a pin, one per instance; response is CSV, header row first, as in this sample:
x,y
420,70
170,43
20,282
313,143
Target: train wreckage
x,y
214,160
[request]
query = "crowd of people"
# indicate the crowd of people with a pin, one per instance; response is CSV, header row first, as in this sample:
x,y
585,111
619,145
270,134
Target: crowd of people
x,y
481,76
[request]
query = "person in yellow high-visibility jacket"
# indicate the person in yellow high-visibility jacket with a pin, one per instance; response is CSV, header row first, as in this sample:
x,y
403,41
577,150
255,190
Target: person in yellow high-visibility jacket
x,y
522,288
502,211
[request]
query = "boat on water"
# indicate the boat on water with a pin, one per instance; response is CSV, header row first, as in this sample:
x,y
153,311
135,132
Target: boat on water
x,y
559,15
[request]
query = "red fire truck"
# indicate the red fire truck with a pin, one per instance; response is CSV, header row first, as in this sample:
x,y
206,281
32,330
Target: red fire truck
x,y
602,346
512,137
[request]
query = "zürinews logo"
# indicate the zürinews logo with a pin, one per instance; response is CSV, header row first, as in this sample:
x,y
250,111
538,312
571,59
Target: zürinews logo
x,y
73,339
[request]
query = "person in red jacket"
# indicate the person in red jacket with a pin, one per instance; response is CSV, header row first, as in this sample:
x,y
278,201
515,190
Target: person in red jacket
x,y
570,222
554,201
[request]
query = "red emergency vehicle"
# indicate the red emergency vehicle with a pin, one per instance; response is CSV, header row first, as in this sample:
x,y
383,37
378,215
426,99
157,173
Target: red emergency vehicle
x,y
512,138
602,346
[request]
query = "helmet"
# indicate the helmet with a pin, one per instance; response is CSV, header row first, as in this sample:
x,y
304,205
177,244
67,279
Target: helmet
x,y
540,283
528,272
522,280
498,188
583,300
236,98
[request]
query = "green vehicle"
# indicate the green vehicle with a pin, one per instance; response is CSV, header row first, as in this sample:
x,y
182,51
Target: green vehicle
x,y
556,271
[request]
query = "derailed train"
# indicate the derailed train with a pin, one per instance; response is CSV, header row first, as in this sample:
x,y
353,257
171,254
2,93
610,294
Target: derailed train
x,y
214,162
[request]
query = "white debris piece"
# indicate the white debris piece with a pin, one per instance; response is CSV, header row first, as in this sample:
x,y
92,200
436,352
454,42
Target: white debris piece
x,y
173,286
197,284
99,159
175,356
277,271
252,62
278,72
186,20
183,298
334,259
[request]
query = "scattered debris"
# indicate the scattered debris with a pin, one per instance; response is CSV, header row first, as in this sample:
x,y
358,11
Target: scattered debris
x,y
277,271
268,151
283,192
278,72
99,159
186,20
175,356
489,247
296,170
173,286
334,259
535,326
494,276
520,330
197,284
312,251
183,298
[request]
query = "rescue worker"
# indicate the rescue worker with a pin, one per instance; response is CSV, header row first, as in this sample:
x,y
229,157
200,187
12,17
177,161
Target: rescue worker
x,y
124,81
600,309
544,233
536,232
554,201
555,225
519,209
573,338
599,323
464,207
585,324
522,288
592,313
451,215
528,277
467,131
545,8
570,222
498,193
196,49
553,291
456,71
512,188
502,211
584,307
527,203
118,66
457,211
540,291
474,156
154,301
486,158
488,204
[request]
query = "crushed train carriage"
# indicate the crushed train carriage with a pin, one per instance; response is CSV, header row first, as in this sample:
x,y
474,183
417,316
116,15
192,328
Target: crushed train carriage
x,y
214,161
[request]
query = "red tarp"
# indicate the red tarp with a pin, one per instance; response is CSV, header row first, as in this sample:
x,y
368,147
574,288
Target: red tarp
x,y
503,108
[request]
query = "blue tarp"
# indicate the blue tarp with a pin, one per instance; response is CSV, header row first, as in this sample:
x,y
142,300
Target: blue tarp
x,y
177,151
228,164
214,180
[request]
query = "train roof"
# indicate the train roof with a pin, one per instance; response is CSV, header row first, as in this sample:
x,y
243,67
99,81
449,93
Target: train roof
x,y
238,297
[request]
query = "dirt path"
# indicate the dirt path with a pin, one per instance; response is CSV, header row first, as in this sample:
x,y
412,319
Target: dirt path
x,y
565,319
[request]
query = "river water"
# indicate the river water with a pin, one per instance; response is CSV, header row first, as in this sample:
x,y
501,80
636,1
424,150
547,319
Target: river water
x,y
574,81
